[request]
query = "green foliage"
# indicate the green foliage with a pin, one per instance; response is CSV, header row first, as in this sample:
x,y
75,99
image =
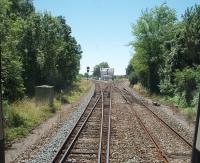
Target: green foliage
x,y
166,58
133,78
151,31
129,68
36,49
187,82
97,68
181,71
21,117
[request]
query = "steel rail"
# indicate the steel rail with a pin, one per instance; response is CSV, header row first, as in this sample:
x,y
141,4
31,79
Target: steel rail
x,y
59,152
161,120
158,148
101,131
108,132
76,136
163,155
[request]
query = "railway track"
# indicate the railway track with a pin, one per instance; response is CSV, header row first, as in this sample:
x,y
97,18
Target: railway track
x,y
89,140
156,145
167,125
175,155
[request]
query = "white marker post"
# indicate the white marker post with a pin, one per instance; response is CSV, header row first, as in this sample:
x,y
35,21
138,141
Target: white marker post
x,y
196,143
2,153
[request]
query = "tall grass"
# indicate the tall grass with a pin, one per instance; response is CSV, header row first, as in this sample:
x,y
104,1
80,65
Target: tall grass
x,y
77,90
22,116
175,100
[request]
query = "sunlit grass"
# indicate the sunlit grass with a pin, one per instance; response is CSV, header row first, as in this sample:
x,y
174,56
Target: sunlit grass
x,y
22,116
189,112
78,90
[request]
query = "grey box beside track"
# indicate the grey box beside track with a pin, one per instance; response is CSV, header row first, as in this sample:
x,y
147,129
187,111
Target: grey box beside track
x,y
44,95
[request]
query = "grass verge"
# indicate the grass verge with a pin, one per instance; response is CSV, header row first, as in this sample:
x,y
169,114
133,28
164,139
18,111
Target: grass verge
x,y
188,112
76,91
23,116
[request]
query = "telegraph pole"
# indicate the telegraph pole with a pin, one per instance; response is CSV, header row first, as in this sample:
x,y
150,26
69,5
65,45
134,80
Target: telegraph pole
x,y
88,70
196,142
2,154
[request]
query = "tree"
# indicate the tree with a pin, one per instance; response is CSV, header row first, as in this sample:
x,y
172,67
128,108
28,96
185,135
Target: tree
x,y
129,68
151,31
36,49
11,31
182,64
167,53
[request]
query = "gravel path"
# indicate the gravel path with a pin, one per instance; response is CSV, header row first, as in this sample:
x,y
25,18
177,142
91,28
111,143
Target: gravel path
x,y
48,151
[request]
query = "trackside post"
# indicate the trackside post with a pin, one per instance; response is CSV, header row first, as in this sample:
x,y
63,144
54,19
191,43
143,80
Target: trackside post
x,y
196,143
2,153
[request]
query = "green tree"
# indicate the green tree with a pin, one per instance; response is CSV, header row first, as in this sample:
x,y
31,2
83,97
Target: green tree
x,y
129,68
11,31
36,49
151,31
181,66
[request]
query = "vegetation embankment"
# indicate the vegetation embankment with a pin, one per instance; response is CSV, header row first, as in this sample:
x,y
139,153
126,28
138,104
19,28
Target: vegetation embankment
x,y
22,116
36,49
189,112
77,90
166,61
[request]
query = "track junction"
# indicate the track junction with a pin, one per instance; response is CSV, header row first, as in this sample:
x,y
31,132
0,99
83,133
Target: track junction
x,y
116,126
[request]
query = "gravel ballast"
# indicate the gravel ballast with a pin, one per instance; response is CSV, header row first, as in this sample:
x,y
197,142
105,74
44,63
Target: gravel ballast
x,y
165,113
49,150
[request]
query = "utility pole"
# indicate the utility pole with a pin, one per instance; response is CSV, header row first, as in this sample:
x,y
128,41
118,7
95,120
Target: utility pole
x,y
88,70
196,142
2,154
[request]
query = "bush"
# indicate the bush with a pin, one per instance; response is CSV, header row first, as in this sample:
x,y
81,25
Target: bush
x,y
187,83
133,78
22,116
166,88
12,118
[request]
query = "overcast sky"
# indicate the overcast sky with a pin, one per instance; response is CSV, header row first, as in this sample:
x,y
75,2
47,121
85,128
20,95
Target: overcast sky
x,y
103,27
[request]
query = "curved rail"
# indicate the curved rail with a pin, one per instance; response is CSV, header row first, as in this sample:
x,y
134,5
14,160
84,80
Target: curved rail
x,y
158,148
109,130
161,120
101,132
104,143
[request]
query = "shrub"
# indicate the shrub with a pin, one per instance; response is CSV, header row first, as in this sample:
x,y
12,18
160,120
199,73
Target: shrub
x,y
133,78
187,82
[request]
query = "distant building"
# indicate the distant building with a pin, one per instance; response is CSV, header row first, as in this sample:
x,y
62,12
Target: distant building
x,y
107,73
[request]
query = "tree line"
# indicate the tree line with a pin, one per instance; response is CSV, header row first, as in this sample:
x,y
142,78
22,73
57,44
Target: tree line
x,y
166,57
36,48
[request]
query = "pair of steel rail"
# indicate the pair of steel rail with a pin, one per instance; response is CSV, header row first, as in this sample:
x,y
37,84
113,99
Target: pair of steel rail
x,y
68,144
159,149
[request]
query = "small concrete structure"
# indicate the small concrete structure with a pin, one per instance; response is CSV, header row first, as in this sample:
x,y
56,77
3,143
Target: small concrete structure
x,y
107,73
44,95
